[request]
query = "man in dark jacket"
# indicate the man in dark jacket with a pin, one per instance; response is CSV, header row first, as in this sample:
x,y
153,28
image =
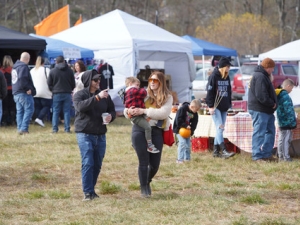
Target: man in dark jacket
x,y
3,91
61,82
262,103
23,91
89,104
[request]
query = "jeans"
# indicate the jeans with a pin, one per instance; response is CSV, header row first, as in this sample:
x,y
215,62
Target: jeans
x,y
0,111
219,119
25,109
184,148
92,149
263,136
42,107
61,101
284,143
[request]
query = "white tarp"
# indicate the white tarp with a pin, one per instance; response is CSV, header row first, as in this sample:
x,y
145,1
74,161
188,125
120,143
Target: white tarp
x,y
123,40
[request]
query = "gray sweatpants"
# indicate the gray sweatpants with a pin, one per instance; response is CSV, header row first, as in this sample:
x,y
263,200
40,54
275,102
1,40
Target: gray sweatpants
x,y
284,142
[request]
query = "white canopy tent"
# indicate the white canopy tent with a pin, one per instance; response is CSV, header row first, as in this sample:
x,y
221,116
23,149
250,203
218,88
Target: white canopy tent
x,y
125,42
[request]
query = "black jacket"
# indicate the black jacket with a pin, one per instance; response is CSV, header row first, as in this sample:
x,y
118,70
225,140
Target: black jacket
x,y
3,86
21,79
261,94
185,117
61,79
88,110
218,90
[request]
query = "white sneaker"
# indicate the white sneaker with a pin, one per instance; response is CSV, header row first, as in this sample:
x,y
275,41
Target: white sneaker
x,y
39,122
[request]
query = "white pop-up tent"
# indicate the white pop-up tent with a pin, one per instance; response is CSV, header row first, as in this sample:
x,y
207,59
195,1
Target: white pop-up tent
x,y
127,43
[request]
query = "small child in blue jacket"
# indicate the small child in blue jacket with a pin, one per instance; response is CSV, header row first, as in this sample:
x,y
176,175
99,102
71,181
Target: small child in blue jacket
x,y
187,117
286,118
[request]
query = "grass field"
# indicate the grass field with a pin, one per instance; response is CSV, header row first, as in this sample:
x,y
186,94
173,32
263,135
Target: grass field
x,y
40,183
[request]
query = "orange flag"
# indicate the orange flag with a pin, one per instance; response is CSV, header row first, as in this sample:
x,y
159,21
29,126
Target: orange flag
x,y
79,21
54,23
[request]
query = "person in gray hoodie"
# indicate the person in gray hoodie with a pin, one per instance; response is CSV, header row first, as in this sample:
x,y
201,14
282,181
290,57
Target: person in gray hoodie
x,y
90,129
61,82
23,91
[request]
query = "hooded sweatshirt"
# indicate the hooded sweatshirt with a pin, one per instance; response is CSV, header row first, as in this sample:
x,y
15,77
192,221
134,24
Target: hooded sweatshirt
x,y
285,111
185,117
261,95
218,91
88,109
61,79
21,79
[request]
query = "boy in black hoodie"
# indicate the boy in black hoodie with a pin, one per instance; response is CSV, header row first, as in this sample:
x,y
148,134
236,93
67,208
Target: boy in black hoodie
x,y
186,117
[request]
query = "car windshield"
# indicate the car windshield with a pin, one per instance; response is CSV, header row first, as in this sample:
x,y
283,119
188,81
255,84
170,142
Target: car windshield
x,y
290,69
248,69
199,75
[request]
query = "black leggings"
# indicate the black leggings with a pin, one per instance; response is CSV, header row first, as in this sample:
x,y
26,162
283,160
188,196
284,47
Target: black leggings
x,y
148,162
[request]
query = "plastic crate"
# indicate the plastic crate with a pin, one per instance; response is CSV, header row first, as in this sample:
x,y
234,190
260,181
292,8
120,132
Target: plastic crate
x,y
200,144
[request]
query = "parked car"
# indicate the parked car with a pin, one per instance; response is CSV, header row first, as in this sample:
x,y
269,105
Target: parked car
x,y
281,72
199,64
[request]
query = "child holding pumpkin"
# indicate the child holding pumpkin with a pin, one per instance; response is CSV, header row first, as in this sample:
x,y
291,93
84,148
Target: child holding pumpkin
x,y
184,126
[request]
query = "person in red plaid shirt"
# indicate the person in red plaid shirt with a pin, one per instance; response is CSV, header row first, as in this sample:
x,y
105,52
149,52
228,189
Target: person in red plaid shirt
x,y
134,97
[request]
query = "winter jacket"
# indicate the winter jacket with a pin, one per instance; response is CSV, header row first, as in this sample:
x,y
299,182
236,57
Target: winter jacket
x,y
61,79
218,91
88,109
185,117
21,79
285,111
261,94
3,87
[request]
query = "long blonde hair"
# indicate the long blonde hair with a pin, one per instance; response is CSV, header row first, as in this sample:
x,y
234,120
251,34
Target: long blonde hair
x,y
224,73
162,92
7,62
39,62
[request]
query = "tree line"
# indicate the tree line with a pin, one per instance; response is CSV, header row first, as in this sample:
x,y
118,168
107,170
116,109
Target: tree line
x,y
249,26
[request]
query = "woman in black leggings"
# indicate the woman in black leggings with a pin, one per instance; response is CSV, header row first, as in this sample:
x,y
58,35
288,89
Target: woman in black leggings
x,y
158,107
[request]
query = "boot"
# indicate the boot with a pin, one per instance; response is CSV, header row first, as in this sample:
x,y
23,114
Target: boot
x,y
149,189
216,151
145,191
225,153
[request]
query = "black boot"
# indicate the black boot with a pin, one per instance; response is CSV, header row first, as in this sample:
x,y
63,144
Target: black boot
x,y
216,152
149,189
145,191
225,153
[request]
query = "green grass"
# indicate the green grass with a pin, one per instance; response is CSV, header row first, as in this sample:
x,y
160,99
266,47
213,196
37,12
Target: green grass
x,y
40,183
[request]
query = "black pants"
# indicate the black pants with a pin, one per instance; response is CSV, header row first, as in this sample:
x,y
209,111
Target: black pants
x,y
148,162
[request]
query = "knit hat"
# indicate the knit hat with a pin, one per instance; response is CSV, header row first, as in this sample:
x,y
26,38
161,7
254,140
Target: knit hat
x,y
268,63
224,61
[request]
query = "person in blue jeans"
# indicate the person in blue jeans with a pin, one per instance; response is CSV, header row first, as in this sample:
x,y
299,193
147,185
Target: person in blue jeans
x,y
89,104
262,103
61,82
23,91
186,117
218,100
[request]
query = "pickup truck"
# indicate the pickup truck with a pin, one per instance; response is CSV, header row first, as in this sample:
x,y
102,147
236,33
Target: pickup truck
x,y
281,72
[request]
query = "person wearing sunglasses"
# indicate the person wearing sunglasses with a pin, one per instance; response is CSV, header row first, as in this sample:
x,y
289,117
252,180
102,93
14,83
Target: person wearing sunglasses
x,y
89,104
158,107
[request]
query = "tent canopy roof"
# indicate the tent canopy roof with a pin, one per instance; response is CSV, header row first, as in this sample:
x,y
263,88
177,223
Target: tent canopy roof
x,y
201,47
119,30
11,39
55,47
284,52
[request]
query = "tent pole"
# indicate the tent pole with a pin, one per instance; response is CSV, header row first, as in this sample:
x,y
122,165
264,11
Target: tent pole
x,y
203,67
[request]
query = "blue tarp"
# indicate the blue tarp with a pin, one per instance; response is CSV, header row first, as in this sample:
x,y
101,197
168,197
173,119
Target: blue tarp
x,y
55,47
200,47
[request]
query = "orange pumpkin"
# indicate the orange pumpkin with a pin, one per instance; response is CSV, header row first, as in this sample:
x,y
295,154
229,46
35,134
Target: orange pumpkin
x,y
185,133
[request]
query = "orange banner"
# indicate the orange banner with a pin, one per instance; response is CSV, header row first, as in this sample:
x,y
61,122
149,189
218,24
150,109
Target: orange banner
x,y
54,23
79,21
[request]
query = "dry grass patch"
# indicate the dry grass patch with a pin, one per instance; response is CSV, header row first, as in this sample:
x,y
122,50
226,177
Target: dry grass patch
x,y
40,183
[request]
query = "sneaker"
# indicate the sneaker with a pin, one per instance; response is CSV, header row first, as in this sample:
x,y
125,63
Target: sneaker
x,y
151,148
39,122
23,132
179,161
88,197
95,195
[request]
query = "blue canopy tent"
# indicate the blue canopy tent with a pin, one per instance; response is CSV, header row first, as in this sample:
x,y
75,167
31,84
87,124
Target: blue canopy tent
x,y
202,48
56,47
